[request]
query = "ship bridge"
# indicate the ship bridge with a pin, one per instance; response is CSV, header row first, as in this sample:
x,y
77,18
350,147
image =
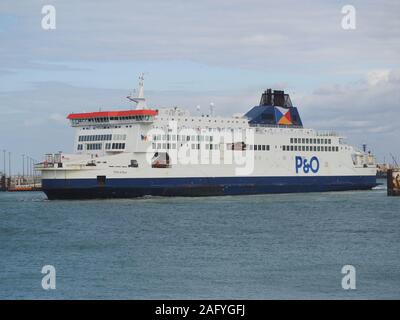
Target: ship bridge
x,y
139,115
112,117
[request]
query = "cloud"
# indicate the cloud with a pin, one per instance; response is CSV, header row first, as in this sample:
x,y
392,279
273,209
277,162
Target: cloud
x,y
247,34
377,77
58,117
366,110
264,40
224,51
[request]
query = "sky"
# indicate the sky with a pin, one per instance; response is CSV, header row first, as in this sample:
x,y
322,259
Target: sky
x,y
194,53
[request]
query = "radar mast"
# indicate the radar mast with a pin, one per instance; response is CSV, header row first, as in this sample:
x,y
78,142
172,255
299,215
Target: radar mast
x,y
139,99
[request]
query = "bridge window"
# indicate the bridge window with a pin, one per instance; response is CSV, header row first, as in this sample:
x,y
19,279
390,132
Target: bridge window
x,y
93,146
118,146
102,137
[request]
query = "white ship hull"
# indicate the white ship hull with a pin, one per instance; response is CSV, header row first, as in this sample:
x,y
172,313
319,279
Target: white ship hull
x,y
275,173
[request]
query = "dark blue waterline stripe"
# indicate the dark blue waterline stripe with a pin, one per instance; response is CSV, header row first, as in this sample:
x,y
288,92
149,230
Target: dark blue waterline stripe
x,y
171,182
193,186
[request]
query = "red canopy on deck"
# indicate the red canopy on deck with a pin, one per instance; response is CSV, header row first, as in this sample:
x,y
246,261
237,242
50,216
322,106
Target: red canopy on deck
x,y
102,114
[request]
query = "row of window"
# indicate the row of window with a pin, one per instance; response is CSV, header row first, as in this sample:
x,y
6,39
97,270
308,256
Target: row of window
x,y
101,137
196,146
140,118
310,140
104,127
115,146
241,146
97,137
158,146
259,147
99,146
174,137
256,147
93,146
311,148
209,120
198,129
105,119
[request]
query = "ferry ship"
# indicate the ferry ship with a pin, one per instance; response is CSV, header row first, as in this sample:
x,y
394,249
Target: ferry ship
x,y
169,152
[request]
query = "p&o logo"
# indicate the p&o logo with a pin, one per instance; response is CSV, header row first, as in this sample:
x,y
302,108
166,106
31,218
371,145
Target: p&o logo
x,y
306,165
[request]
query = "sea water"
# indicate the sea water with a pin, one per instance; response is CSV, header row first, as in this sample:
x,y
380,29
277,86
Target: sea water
x,y
234,247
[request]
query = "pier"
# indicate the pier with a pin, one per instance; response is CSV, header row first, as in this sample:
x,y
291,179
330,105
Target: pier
x,y
29,180
393,182
20,183
382,169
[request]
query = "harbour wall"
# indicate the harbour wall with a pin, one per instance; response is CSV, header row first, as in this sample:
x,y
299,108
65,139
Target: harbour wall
x,y
393,182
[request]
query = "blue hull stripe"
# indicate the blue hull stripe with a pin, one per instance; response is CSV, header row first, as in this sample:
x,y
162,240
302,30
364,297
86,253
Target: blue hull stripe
x,y
137,187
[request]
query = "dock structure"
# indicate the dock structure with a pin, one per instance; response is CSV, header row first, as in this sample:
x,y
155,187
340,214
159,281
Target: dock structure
x,y
3,182
20,183
29,180
393,182
381,170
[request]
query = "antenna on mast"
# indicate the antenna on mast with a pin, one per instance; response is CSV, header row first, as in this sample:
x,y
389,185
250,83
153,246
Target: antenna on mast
x,y
212,105
140,99
394,160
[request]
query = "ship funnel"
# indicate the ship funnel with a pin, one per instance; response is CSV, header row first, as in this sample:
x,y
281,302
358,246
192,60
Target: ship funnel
x,y
275,98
